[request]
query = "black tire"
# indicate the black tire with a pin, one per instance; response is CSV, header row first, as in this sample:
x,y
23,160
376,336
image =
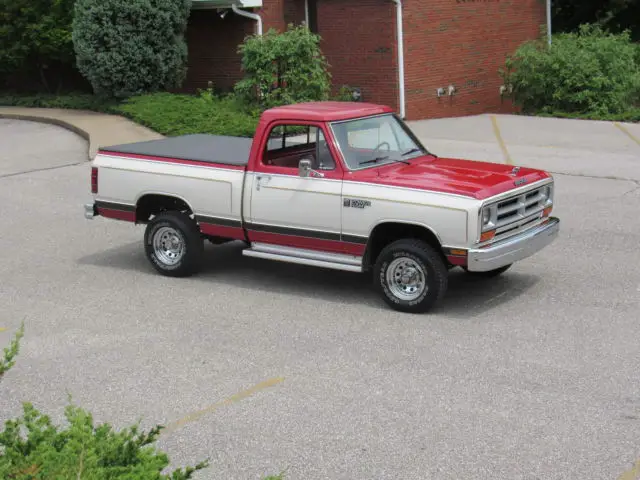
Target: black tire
x,y
490,273
188,234
427,259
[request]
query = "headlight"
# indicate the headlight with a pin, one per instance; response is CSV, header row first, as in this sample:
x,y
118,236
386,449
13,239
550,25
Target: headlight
x,y
486,217
544,193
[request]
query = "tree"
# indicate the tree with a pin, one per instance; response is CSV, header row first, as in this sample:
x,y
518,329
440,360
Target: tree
x,y
283,68
130,47
35,40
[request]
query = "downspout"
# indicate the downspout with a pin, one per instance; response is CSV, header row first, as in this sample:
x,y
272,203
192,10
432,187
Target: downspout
x,y
306,13
253,16
549,20
400,41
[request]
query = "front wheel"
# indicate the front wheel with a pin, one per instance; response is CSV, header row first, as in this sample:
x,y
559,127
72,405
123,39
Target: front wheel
x,y
173,244
411,276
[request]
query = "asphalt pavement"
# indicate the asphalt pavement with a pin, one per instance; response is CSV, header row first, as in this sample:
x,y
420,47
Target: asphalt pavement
x,y
262,366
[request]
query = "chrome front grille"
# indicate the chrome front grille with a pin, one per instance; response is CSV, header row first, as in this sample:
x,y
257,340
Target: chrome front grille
x,y
521,207
516,213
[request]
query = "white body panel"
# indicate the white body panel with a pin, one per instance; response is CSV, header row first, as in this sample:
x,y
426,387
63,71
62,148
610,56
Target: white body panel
x,y
288,201
447,216
210,191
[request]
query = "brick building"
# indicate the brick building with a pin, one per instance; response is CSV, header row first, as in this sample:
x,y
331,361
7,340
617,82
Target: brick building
x,y
459,43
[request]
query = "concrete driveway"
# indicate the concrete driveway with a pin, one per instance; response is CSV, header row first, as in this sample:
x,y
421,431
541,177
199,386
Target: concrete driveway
x,y
263,366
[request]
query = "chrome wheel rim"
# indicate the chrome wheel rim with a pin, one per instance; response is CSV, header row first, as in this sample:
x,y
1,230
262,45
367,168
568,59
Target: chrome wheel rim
x,y
168,245
406,279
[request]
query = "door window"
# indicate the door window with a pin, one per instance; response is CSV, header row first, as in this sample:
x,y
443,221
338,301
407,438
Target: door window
x,y
290,143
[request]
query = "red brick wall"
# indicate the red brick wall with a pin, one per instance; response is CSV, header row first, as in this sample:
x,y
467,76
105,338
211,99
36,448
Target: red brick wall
x,y
213,44
463,43
358,39
294,12
458,42
273,13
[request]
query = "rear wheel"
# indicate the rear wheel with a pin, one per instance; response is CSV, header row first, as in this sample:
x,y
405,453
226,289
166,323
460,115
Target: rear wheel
x,y
173,244
490,273
410,275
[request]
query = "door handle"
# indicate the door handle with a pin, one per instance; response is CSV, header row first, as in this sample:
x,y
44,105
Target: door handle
x,y
262,179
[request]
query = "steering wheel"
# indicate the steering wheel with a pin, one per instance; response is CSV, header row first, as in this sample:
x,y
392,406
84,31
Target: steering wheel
x,y
380,145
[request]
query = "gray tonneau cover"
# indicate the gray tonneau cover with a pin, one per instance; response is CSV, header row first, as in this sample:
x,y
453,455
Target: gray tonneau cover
x,y
199,147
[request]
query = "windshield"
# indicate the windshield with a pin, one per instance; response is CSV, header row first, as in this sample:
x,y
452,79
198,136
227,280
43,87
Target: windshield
x,y
374,141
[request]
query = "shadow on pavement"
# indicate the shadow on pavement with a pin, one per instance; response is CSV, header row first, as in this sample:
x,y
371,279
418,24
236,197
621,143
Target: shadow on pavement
x,y
466,297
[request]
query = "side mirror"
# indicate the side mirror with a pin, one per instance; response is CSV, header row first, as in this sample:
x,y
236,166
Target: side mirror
x,y
304,168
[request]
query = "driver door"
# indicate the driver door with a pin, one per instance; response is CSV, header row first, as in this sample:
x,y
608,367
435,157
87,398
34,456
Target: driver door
x,y
288,209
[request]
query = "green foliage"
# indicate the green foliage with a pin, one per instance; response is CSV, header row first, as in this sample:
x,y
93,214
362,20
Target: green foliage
x,y
166,113
615,15
283,68
590,72
131,47
171,114
73,101
10,353
345,94
35,38
33,448
82,450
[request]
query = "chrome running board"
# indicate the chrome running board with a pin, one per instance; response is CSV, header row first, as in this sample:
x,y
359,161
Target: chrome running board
x,y
314,258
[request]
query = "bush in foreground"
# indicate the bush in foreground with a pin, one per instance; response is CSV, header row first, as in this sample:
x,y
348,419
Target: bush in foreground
x,y
283,68
33,448
590,72
129,47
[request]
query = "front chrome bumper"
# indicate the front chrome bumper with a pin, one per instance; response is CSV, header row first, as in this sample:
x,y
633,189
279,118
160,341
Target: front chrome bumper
x,y
90,210
513,249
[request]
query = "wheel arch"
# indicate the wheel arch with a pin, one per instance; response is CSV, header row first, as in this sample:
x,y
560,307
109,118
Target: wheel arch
x,y
387,231
152,203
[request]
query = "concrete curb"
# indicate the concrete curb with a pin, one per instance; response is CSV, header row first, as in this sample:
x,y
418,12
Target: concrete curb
x,y
51,121
96,128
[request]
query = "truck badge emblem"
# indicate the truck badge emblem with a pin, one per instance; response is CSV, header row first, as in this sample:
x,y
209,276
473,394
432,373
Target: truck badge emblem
x,y
520,181
356,203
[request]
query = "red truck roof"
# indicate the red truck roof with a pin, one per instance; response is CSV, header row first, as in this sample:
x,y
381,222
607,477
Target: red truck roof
x,y
328,111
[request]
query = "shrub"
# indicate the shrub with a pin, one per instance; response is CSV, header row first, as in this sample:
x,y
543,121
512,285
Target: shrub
x,y
283,68
130,47
72,101
588,72
35,40
8,359
171,114
33,448
82,450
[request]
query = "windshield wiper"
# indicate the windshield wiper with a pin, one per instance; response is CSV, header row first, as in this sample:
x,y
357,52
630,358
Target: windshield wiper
x,y
373,160
413,150
377,159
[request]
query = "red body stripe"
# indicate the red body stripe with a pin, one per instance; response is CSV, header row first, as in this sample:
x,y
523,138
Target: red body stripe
x,y
173,160
117,214
310,243
222,231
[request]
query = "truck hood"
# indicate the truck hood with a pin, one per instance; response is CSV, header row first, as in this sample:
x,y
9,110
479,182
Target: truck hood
x,y
470,178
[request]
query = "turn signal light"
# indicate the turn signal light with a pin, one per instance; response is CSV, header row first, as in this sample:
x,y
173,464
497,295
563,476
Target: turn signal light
x,y
94,180
486,236
547,211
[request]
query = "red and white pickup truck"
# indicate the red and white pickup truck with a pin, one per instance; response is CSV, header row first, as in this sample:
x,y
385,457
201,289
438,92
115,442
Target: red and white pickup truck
x,y
338,185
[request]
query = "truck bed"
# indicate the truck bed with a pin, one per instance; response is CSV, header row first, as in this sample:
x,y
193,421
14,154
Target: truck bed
x,y
206,148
